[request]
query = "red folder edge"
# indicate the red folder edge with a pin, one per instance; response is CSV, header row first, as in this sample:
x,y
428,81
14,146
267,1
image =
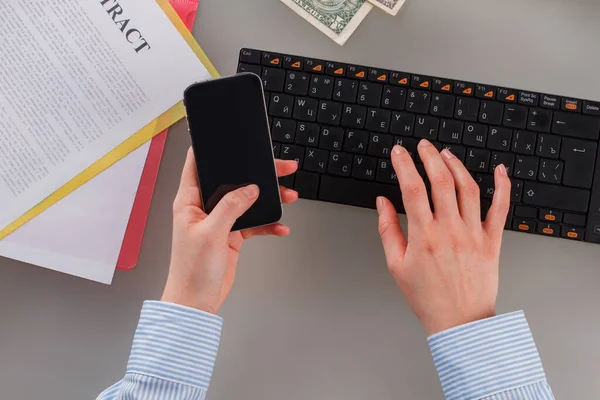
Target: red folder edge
x,y
134,234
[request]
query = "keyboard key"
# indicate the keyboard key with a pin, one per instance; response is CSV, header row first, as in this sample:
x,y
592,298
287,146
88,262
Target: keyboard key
x,y
369,94
385,172
464,88
486,184
524,142
475,135
378,75
529,99
321,87
305,109
554,196
356,142
526,212
442,85
466,109
570,105
551,171
292,152
526,167
314,66
393,97
410,144
478,160
276,149
307,134
287,181
420,82
491,112
591,108
357,72
358,193
255,69
335,69
331,138
273,79
250,56
485,92
574,219
364,167
459,152
427,127
499,138
354,116
345,90
539,120
515,116
569,232
378,120
516,191
506,159
339,164
575,125
418,101
548,101
524,225
307,185
329,113
281,105
442,105
548,229
293,62
402,123
399,78
284,130
548,146
451,131
507,95
380,145
315,160
297,83
271,59
546,214
579,157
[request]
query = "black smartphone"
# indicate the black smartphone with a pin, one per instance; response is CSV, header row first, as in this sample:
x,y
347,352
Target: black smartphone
x,y
229,126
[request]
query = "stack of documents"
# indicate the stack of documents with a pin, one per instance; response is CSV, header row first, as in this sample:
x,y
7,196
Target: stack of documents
x,y
100,83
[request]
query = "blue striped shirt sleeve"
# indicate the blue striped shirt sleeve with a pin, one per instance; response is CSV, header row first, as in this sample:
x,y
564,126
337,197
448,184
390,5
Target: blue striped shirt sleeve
x,y
491,359
172,357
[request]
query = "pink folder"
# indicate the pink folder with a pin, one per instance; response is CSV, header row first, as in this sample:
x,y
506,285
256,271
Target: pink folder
x,y
134,234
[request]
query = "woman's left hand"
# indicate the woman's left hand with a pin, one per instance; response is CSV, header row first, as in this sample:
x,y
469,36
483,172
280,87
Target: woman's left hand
x,y
205,252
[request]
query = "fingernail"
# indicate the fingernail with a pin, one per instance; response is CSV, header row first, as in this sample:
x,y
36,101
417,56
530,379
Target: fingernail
x,y
251,191
379,204
424,143
501,169
398,149
447,154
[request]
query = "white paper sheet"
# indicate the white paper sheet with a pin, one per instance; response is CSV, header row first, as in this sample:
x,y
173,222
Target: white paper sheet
x,y
78,78
82,234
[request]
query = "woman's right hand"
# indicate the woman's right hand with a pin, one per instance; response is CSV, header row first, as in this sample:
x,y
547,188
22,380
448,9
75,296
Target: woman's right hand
x,y
447,267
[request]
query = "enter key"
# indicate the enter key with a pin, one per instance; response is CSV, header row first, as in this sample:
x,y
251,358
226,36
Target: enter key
x,y
580,159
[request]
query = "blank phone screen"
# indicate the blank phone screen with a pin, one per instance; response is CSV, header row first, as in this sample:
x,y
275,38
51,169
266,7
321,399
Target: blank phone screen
x,y
232,145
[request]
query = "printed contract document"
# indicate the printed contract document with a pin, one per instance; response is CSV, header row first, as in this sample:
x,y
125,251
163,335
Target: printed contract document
x,y
78,78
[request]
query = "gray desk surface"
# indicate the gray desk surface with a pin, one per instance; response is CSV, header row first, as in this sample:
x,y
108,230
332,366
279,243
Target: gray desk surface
x,y
316,315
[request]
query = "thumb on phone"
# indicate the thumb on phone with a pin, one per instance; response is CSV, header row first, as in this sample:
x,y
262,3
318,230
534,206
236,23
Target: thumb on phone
x,y
232,206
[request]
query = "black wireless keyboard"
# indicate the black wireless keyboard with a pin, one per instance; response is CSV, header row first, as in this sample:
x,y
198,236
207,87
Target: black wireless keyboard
x,y
340,121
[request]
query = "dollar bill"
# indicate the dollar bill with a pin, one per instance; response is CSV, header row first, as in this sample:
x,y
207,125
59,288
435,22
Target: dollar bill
x,y
338,19
389,6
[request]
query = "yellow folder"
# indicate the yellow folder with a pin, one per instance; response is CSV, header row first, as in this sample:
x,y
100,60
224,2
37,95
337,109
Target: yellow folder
x,y
161,123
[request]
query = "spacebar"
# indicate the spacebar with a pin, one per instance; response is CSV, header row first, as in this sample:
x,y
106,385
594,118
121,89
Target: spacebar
x,y
358,193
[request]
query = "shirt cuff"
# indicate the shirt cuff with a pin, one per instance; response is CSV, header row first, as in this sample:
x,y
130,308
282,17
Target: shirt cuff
x,y
486,357
175,343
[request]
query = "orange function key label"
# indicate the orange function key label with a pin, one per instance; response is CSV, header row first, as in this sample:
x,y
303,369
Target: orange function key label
x,y
357,72
420,82
464,88
314,66
507,95
291,62
571,105
378,75
271,59
442,85
335,69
